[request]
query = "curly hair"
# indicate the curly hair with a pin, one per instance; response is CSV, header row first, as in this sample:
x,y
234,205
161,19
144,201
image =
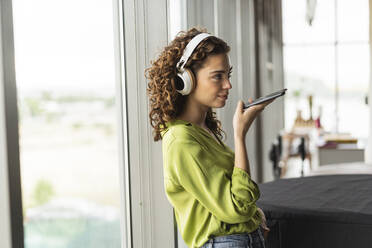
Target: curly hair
x,y
165,102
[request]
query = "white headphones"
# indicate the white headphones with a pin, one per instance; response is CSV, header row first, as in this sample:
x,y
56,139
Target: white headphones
x,y
185,80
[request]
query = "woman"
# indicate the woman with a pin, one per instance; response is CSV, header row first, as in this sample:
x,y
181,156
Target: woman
x,y
208,185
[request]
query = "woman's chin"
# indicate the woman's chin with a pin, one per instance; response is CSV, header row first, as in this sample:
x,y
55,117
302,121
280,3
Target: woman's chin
x,y
220,105
217,104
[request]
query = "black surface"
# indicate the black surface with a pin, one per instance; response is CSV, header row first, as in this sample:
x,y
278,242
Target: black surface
x,y
320,211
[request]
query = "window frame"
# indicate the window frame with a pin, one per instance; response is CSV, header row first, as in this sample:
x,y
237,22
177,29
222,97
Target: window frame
x,y
11,230
122,121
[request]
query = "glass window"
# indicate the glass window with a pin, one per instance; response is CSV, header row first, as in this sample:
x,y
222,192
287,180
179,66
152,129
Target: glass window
x,y
309,70
332,66
353,80
64,54
353,20
297,30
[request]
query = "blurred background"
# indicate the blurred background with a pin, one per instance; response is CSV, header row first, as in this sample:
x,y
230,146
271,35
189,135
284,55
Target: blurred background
x,y
68,139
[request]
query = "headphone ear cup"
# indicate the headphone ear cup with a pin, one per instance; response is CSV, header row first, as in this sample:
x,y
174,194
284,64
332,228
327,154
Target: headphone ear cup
x,y
178,81
185,82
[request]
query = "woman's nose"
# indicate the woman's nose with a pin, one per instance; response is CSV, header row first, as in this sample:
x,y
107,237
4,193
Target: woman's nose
x,y
227,84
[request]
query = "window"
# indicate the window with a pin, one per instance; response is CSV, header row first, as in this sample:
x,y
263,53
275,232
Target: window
x,y
64,53
329,60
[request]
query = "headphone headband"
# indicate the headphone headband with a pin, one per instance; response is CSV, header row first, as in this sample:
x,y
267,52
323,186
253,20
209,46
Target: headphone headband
x,y
189,49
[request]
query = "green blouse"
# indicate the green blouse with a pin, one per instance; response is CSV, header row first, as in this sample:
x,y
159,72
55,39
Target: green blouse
x,y
211,197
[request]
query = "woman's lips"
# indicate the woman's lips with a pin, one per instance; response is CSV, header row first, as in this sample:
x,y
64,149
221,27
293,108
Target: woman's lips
x,y
223,96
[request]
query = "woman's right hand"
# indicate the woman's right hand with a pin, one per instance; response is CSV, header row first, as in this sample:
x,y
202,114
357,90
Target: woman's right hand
x,y
243,118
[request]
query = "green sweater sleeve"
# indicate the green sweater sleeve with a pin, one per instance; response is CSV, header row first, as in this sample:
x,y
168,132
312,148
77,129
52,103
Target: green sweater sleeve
x,y
231,200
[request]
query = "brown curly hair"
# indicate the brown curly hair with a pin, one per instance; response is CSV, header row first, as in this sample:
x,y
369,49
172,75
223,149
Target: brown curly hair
x,y
165,102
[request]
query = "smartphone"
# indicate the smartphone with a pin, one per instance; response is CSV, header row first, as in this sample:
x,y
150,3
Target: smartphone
x,y
265,98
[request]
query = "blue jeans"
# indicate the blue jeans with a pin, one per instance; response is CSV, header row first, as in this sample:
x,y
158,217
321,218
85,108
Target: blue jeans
x,y
254,239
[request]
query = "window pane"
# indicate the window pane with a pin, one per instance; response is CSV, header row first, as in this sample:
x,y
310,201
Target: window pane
x,y
296,29
68,124
353,83
310,71
353,20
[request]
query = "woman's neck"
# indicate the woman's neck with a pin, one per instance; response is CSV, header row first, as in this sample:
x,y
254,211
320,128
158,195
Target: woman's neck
x,y
194,113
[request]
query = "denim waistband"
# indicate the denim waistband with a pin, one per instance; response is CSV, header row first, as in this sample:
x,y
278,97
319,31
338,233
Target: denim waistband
x,y
239,236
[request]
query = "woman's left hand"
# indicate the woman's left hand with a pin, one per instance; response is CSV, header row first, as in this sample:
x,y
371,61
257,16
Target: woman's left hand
x,y
263,223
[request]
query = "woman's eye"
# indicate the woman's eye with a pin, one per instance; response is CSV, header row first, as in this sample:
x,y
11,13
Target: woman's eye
x,y
220,76
217,76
